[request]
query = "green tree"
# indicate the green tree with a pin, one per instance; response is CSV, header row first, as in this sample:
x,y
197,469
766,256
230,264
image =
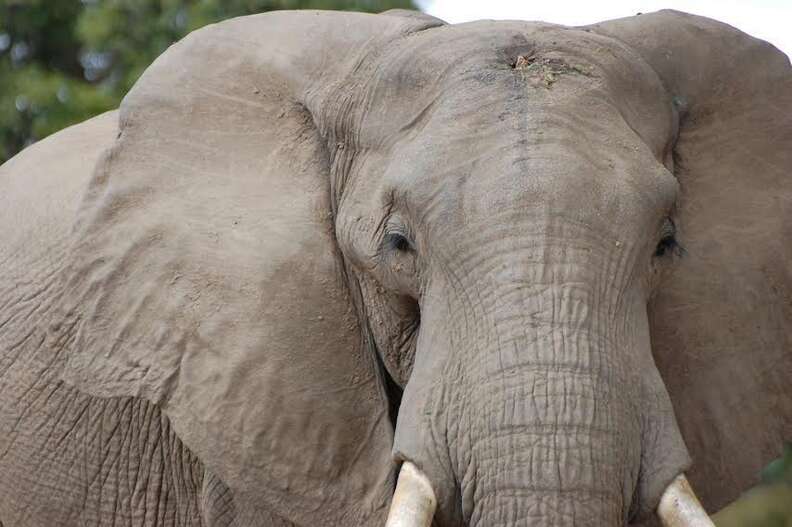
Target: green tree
x,y
66,60
768,504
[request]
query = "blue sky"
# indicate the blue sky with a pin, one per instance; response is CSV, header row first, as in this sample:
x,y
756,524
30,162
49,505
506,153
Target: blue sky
x,y
769,20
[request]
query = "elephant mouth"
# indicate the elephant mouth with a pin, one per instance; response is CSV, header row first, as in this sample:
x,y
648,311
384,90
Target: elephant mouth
x,y
414,502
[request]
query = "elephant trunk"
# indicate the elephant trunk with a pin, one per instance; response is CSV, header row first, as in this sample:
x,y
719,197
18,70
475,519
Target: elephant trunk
x,y
559,446
534,397
563,511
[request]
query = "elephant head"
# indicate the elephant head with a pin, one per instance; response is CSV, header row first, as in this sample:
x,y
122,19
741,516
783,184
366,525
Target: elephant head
x,y
329,243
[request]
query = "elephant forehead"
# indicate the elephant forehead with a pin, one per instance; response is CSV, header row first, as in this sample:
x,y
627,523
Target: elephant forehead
x,y
475,182
492,151
464,67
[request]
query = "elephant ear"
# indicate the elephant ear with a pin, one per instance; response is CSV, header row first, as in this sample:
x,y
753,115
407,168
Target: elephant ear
x,y
206,276
722,322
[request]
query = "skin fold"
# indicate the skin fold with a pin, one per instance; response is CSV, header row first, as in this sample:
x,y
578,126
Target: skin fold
x,y
546,265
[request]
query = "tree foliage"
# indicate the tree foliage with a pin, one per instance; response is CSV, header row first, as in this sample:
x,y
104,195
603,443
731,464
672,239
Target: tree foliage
x,y
768,504
62,61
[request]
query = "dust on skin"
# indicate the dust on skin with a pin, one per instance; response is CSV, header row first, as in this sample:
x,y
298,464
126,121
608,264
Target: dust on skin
x,y
544,71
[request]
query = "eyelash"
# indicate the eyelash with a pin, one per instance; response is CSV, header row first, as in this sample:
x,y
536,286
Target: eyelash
x,y
398,242
668,242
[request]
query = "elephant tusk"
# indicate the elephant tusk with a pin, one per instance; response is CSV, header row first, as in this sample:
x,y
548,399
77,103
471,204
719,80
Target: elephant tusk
x,y
679,506
414,501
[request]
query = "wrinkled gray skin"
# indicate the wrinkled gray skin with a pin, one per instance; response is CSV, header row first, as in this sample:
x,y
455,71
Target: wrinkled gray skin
x,y
311,245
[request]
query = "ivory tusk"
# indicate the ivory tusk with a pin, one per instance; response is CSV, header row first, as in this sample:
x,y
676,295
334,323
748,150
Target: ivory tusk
x,y
679,506
414,501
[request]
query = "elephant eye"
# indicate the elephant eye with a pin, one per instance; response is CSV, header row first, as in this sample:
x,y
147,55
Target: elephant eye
x,y
399,242
668,242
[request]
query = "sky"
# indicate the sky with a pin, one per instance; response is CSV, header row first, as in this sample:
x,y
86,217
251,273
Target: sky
x,y
770,20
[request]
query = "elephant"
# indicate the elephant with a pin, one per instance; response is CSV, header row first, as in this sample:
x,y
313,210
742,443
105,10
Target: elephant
x,y
542,272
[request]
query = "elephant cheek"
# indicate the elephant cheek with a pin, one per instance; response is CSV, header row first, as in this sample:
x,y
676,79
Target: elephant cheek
x,y
420,436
